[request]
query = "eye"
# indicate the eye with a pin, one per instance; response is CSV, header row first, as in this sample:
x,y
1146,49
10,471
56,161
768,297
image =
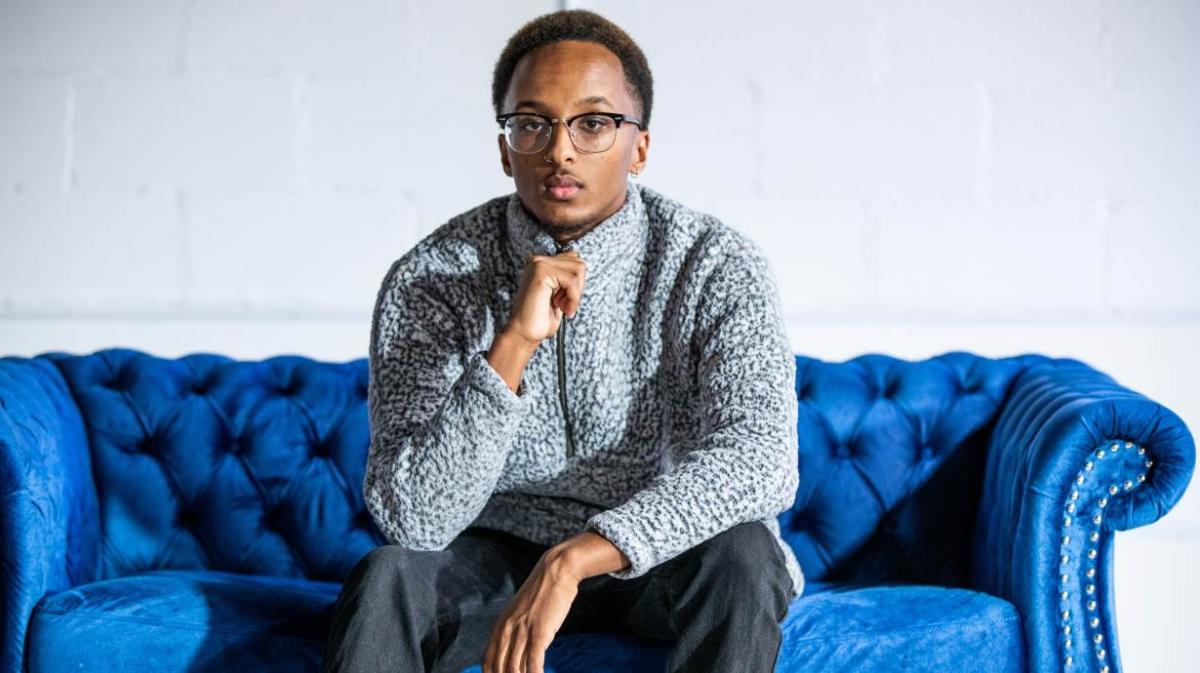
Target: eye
x,y
595,123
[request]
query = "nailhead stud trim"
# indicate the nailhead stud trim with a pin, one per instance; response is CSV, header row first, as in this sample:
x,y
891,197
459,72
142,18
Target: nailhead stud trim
x,y
1092,551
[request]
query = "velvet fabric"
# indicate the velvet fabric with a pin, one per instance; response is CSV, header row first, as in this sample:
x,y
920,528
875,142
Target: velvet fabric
x,y
199,513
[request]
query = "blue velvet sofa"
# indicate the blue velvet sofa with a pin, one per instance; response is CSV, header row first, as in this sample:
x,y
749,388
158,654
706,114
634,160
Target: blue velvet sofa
x,y
199,513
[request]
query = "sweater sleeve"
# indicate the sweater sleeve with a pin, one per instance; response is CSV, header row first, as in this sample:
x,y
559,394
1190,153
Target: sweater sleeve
x,y
441,417
744,466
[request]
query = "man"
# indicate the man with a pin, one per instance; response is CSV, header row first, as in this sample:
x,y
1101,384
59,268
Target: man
x,y
582,402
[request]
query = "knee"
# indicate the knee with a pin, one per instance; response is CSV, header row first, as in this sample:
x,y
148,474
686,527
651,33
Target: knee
x,y
745,560
743,550
379,571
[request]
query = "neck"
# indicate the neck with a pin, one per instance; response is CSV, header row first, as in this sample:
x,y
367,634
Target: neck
x,y
563,235
603,244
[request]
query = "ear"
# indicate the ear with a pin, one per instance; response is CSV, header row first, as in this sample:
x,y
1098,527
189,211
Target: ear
x,y
504,162
640,151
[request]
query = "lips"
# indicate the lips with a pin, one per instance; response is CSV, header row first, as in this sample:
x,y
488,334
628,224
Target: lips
x,y
562,187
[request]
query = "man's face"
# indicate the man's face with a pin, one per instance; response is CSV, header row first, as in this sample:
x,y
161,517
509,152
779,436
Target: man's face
x,y
556,80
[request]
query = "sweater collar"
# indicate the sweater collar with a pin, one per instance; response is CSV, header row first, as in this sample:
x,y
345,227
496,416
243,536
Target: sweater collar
x,y
614,239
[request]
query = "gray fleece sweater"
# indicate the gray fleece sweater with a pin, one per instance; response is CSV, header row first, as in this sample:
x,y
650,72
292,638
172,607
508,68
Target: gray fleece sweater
x,y
662,414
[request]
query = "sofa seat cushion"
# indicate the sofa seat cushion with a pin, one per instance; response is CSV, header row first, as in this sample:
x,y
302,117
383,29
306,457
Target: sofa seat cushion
x,y
176,620
841,627
900,627
183,620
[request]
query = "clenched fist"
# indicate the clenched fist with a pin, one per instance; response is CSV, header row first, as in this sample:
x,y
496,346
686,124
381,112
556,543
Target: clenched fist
x,y
550,286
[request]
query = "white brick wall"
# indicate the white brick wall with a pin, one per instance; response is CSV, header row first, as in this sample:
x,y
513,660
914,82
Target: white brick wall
x,y
1000,177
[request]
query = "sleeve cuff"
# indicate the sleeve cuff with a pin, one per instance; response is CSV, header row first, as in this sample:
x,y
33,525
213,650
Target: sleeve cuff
x,y
628,539
484,378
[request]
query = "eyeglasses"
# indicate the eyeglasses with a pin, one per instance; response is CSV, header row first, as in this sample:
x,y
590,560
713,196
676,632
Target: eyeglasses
x,y
529,133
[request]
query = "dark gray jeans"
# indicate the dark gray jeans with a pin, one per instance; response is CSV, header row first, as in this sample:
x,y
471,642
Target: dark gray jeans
x,y
721,601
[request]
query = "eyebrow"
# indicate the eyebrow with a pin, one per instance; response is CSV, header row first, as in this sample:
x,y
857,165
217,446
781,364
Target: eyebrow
x,y
583,101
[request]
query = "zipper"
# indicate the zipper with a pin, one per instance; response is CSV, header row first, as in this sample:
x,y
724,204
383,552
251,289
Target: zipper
x,y
562,371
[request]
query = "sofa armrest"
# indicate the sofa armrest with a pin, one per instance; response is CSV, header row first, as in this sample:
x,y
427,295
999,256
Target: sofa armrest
x,y
1073,458
48,513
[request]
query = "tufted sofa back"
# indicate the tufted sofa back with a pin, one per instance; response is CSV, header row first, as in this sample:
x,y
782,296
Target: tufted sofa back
x,y
891,461
209,462
257,466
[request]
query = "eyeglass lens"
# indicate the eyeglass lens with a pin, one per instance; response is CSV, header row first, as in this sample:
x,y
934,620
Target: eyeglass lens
x,y
591,133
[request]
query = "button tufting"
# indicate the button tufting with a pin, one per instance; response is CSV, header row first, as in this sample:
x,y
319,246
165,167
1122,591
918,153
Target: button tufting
x,y
275,518
184,517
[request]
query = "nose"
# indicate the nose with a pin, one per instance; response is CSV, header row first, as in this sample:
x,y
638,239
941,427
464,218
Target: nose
x,y
560,147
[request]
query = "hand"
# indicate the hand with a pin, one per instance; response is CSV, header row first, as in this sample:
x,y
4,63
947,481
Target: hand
x,y
523,633
551,286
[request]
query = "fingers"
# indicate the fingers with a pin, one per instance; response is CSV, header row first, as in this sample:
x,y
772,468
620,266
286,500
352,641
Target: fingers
x,y
566,273
516,651
514,648
536,653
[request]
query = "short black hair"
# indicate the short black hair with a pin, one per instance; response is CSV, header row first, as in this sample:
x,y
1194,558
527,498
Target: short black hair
x,y
577,24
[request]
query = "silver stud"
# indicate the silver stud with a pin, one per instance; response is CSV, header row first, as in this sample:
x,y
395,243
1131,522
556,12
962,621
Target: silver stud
x,y
1094,536
1066,539
1103,502
1096,519
1067,630
1074,494
1091,553
1066,521
1112,490
1149,462
1064,581
1066,614
1141,450
1141,478
1100,653
1087,465
1095,622
1066,558
1104,669
1098,638
1091,572
1128,484
1069,661
1065,595
1067,644
1071,507
1100,453
1091,606
1091,588
1128,445
1079,479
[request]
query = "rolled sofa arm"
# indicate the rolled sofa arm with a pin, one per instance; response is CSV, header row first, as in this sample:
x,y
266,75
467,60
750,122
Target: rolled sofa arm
x,y
1073,458
48,513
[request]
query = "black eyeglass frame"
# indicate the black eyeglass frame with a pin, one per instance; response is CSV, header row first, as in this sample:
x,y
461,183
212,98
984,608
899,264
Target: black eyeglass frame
x,y
616,117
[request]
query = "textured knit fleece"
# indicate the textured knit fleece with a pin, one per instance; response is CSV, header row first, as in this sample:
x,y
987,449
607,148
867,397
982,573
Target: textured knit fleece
x,y
680,387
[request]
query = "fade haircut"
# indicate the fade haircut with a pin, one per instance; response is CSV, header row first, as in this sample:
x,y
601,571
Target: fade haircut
x,y
577,24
